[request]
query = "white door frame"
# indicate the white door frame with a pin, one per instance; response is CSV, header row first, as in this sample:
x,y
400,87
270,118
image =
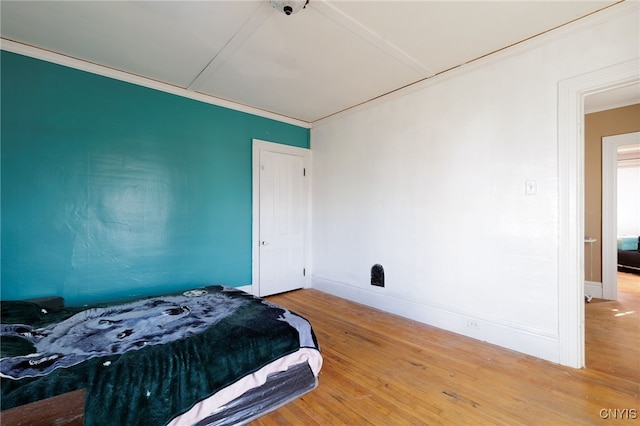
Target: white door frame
x,y
260,145
571,94
610,145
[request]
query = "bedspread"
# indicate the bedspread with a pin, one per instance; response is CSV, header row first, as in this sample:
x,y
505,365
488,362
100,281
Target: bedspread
x,y
145,361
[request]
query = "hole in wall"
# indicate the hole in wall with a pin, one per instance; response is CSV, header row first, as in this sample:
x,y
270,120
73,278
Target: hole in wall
x,y
377,275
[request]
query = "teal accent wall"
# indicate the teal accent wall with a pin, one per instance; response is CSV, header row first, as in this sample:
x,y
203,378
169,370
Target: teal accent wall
x,y
111,190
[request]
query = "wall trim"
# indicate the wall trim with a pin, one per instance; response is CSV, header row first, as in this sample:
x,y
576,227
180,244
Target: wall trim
x,y
539,343
246,288
593,289
68,61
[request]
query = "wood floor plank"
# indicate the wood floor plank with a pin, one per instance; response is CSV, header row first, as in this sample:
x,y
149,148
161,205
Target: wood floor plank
x,y
628,283
382,369
612,328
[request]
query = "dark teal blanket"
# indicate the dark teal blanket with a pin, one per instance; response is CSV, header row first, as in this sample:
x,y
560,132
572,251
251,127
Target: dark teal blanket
x,y
146,361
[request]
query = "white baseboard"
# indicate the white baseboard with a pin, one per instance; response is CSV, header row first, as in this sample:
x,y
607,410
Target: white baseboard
x,y
539,343
593,289
246,288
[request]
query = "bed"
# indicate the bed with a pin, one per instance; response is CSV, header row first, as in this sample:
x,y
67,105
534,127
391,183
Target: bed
x,y
208,356
629,254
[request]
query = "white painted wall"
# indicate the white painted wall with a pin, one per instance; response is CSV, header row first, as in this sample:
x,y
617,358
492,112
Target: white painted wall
x,y
629,201
430,183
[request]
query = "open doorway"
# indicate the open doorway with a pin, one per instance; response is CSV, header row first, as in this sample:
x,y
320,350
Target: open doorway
x,y
571,254
612,319
606,131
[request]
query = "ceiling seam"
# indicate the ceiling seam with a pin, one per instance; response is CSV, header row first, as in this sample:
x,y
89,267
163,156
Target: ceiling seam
x,y
262,12
368,35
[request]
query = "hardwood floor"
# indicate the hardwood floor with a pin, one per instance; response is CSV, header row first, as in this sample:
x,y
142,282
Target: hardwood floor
x,y
612,331
629,283
381,369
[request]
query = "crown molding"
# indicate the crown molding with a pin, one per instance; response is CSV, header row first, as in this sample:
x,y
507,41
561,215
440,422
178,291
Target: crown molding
x,y
613,11
68,61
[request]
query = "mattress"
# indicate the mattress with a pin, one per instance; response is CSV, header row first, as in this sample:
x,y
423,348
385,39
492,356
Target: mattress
x,y
212,354
279,389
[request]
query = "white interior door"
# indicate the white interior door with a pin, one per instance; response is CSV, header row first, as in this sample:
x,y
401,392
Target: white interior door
x,y
281,223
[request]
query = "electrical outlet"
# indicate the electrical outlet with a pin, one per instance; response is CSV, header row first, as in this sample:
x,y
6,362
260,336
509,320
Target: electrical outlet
x,y
473,324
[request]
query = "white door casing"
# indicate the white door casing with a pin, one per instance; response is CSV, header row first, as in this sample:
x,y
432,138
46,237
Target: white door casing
x,y
571,94
281,177
610,145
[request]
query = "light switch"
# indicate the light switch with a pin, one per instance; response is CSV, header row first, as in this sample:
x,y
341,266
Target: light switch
x,y
531,187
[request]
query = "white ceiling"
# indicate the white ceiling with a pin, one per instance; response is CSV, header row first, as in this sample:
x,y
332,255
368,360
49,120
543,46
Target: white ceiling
x,y
329,57
613,98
